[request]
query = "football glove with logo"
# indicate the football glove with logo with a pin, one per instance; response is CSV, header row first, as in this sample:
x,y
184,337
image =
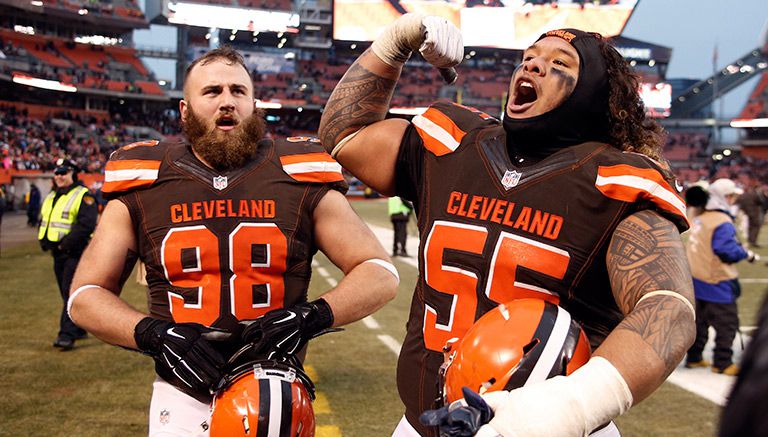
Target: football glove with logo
x,y
283,332
183,355
462,418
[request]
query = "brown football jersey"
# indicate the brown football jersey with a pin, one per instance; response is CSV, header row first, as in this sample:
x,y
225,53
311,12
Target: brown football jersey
x,y
492,231
223,246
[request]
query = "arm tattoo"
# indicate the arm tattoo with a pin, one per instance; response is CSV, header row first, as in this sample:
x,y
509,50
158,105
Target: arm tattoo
x,y
646,254
360,98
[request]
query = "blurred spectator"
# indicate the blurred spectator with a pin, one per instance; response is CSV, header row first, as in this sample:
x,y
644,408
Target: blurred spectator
x,y
696,197
712,251
33,206
399,213
753,202
3,204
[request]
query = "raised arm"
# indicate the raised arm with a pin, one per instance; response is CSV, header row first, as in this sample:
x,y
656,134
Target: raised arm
x,y
352,127
652,285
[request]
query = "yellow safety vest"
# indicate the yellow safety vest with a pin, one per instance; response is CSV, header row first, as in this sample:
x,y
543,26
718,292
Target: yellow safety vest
x,y
58,219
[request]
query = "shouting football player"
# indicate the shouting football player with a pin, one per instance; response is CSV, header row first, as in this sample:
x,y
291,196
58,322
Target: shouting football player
x,y
565,200
227,224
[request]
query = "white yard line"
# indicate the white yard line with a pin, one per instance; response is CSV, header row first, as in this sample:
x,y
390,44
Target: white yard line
x,y
753,280
390,342
368,321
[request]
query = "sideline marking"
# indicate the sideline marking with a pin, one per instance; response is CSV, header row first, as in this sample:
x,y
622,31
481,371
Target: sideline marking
x,y
371,323
754,280
327,431
321,404
390,342
368,321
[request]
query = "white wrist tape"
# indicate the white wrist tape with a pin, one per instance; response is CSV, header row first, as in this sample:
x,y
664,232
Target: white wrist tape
x,y
671,294
74,295
388,266
344,142
571,405
399,39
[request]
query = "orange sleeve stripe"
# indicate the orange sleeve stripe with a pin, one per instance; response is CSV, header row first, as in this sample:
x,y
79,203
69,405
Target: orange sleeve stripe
x,y
117,186
629,186
306,157
646,173
148,143
132,164
318,177
438,132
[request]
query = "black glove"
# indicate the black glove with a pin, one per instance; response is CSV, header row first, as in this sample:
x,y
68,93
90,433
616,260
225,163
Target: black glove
x,y
457,419
183,355
283,332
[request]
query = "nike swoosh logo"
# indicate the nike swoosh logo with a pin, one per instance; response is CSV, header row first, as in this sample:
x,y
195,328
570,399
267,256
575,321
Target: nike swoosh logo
x,y
287,318
173,333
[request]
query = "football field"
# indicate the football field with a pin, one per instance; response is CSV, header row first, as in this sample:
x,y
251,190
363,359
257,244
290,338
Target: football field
x,y
101,390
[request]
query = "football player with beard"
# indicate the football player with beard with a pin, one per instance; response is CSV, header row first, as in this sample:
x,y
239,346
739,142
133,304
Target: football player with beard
x,y
227,223
566,200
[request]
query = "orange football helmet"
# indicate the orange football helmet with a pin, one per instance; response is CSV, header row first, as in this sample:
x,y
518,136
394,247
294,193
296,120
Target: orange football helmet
x,y
518,343
264,398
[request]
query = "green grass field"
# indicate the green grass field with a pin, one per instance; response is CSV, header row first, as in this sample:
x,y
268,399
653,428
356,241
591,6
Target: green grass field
x,y
101,390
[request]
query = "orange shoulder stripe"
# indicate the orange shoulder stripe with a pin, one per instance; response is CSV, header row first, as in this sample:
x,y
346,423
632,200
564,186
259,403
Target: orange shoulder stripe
x,y
629,184
438,132
130,174
312,167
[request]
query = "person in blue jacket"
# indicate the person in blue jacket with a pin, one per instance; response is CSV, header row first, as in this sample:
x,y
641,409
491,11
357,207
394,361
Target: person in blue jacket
x,y
713,250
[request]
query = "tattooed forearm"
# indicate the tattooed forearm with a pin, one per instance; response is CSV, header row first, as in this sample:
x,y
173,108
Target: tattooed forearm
x,y
666,324
646,254
359,99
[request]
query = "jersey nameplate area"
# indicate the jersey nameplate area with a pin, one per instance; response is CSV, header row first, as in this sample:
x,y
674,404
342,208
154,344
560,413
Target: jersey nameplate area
x,y
220,182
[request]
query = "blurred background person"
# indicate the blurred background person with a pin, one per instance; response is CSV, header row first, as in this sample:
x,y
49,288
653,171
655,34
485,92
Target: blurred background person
x,y
713,250
696,199
69,216
33,206
399,213
752,202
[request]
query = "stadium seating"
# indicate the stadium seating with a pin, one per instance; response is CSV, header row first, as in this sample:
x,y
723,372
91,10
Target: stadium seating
x,y
757,104
110,68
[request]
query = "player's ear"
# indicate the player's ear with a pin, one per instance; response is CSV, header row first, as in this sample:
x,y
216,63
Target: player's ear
x,y
183,106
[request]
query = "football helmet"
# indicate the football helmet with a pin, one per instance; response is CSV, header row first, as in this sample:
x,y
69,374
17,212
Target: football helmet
x,y
264,398
517,343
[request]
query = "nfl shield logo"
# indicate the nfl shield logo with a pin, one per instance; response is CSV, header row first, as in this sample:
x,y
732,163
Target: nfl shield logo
x,y
220,182
511,178
165,417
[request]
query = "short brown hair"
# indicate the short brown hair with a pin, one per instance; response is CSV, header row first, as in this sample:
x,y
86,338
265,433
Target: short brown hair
x,y
225,53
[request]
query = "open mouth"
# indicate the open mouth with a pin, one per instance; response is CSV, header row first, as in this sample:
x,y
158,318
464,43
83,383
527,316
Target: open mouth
x,y
525,96
226,122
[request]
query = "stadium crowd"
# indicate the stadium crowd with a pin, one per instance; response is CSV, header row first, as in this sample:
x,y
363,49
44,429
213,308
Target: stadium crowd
x,y
29,143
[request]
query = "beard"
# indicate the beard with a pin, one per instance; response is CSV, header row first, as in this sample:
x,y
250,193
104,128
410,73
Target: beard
x,y
225,150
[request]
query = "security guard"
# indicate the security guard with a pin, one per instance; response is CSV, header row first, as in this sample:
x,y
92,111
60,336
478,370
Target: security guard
x,y
69,214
